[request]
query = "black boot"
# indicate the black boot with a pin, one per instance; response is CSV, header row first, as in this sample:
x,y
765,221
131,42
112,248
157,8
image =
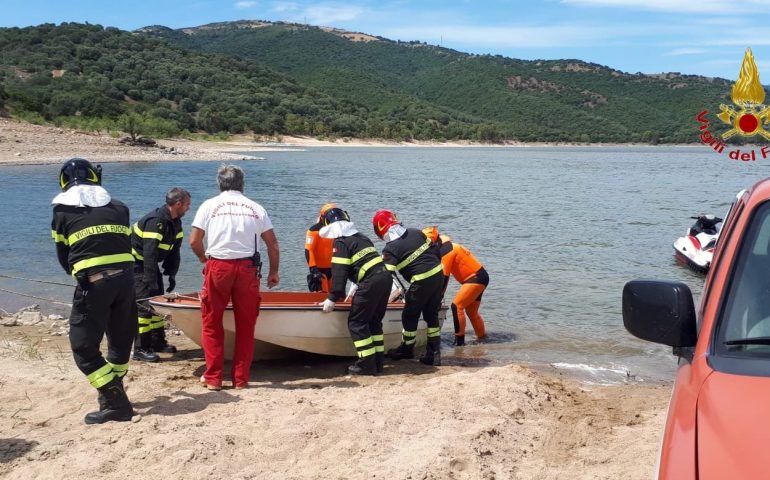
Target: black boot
x,y
432,353
459,340
159,343
145,355
379,361
401,352
113,405
364,366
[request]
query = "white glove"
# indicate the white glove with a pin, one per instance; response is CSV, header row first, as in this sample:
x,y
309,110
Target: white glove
x,y
351,291
327,306
395,291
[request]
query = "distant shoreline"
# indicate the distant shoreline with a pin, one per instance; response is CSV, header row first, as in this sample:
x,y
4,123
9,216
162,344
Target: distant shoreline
x,y
28,144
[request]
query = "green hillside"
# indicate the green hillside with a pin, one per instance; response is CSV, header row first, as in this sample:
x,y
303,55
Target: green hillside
x,y
280,78
565,100
86,74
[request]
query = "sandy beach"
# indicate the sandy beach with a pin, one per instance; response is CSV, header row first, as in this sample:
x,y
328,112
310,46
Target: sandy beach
x,y
303,418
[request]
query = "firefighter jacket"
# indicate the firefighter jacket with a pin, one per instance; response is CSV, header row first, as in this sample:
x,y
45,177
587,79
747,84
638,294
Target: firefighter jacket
x,y
318,250
413,255
458,261
353,258
157,238
90,239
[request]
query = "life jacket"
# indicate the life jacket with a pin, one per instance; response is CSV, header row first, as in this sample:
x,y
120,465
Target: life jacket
x,y
318,250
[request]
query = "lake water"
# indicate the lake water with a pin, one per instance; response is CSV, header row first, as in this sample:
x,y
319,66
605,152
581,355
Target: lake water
x,y
560,230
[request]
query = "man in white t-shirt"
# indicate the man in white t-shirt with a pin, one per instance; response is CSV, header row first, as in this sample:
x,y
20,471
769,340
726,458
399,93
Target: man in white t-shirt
x,y
232,226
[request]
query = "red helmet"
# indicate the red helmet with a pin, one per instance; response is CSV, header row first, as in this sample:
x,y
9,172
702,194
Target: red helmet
x,y
382,221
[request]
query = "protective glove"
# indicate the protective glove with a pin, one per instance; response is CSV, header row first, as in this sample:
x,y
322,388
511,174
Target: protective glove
x,y
351,291
171,283
327,305
314,280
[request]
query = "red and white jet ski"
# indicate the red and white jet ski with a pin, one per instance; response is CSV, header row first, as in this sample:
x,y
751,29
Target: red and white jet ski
x,y
696,249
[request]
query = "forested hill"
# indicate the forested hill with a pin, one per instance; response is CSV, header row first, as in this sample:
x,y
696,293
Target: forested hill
x,y
88,75
276,78
563,100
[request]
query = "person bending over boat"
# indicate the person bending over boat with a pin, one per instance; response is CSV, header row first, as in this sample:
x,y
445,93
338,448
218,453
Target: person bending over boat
x,y
409,252
318,254
232,226
460,263
354,257
156,238
91,230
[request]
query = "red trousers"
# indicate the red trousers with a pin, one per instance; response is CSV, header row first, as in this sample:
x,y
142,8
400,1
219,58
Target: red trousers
x,y
223,281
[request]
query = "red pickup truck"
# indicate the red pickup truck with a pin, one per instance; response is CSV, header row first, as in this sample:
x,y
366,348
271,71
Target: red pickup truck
x,y
718,424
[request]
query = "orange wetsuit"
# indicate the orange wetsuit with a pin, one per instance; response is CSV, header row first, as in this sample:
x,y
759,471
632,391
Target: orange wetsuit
x,y
459,262
318,253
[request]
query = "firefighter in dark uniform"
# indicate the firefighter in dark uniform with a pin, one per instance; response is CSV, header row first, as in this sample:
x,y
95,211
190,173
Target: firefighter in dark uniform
x,y
409,252
91,232
355,258
156,238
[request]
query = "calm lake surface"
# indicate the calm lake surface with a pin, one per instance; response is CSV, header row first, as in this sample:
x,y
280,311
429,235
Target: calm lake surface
x,y
560,231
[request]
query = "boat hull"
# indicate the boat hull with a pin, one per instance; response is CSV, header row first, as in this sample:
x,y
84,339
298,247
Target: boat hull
x,y
288,322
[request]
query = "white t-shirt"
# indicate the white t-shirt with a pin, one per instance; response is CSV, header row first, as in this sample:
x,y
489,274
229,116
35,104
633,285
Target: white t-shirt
x,y
231,222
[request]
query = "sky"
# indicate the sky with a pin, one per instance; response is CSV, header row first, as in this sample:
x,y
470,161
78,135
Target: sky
x,y
699,37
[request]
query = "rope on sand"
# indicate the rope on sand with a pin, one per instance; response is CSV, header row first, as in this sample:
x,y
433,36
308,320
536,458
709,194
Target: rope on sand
x,y
36,280
36,297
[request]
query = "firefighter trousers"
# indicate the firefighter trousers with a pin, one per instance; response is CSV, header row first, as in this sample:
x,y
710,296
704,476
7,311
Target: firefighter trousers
x,y
148,318
366,313
106,306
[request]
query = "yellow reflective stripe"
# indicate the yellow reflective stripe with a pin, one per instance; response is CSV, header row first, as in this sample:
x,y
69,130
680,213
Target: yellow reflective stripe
x,y
366,353
367,266
179,235
342,260
136,254
434,331
59,238
428,274
411,258
408,337
379,343
379,338
101,377
142,234
362,343
120,369
97,230
164,246
390,268
362,253
103,260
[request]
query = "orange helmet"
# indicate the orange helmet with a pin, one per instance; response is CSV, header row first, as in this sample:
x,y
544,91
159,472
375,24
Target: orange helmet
x,y
431,232
382,221
324,209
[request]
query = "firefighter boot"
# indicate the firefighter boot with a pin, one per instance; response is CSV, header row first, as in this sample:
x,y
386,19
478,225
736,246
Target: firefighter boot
x,y
364,366
113,404
432,353
159,343
142,350
379,361
401,352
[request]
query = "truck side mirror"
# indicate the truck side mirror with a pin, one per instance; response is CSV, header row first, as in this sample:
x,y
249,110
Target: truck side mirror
x,y
660,312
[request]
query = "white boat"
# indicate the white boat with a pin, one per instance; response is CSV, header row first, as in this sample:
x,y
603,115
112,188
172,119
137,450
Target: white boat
x,y
287,322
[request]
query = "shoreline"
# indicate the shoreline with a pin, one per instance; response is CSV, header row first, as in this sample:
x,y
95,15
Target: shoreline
x,y
28,144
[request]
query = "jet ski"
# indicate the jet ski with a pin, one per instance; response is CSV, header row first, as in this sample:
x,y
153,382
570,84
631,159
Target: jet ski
x,y
696,249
